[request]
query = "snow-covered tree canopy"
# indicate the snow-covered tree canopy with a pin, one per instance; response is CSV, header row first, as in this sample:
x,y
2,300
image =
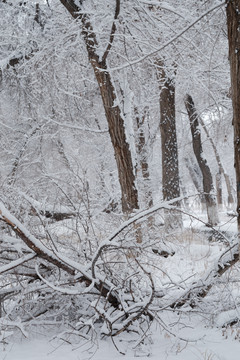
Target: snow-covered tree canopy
x,y
107,172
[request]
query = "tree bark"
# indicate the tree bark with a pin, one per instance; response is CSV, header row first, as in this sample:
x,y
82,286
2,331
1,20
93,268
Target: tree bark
x,y
142,154
220,165
208,187
233,21
112,110
219,189
118,138
170,169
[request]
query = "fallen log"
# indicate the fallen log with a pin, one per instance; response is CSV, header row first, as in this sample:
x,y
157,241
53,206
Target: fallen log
x,y
57,259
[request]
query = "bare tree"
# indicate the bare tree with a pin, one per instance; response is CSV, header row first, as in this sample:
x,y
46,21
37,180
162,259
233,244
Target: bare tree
x,y
112,110
208,187
221,170
109,99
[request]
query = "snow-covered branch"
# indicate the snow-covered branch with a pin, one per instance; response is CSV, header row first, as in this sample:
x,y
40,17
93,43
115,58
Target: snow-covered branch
x,y
16,263
169,42
55,258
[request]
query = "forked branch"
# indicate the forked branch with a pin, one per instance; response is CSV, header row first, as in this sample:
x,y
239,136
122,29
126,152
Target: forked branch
x,y
113,30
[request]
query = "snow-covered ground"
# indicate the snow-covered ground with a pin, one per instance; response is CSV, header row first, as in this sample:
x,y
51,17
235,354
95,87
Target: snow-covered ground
x,y
210,344
178,334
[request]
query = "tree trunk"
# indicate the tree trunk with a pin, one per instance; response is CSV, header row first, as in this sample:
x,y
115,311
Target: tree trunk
x,y
208,187
196,177
170,170
233,21
142,154
118,138
220,166
219,189
113,113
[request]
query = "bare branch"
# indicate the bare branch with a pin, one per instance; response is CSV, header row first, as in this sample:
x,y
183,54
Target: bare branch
x,y
113,30
167,43
54,257
16,263
15,60
143,309
72,8
201,288
87,30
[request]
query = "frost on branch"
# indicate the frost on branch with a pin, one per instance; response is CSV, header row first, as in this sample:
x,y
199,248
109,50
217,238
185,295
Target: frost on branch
x,y
117,289
118,300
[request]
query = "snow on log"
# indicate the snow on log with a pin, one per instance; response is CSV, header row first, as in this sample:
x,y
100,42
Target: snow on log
x,y
59,260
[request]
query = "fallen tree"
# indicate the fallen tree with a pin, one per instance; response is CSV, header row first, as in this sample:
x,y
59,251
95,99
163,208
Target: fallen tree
x,y
116,292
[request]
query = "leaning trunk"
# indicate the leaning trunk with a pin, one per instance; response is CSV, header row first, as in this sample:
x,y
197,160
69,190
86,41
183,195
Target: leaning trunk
x,y
221,170
208,187
118,138
113,113
196,176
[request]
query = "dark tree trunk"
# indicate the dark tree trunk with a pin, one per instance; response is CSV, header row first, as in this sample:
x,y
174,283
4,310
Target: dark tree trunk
x,y
170,169
208,187
118,138
113,113
170,175
219,189
233,21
